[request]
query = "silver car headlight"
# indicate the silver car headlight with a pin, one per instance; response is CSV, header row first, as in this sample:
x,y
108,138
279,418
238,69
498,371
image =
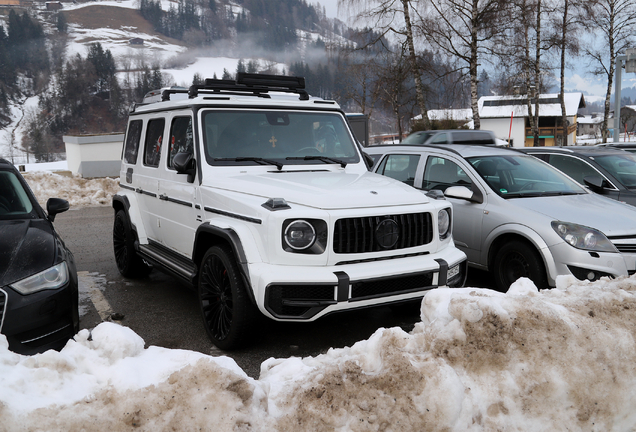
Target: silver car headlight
x,y
582,237
51,278
444,223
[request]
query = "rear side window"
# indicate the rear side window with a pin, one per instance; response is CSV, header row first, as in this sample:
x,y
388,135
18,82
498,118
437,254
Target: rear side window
x,y
473,137
400,167
132,141
154,139
180,138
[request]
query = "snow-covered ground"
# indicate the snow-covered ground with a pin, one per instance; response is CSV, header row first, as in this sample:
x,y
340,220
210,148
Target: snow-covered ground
x,y
557,360
479,360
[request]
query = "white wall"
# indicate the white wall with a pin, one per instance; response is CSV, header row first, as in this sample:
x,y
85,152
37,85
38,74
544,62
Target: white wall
x,y
94,155
501,128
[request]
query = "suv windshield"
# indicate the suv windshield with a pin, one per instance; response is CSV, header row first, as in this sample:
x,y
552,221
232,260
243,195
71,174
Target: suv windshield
x,y
14,200
523,176
623,167
270,137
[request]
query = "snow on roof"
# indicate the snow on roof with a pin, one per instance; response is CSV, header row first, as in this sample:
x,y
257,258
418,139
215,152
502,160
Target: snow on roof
x,y
505,106
448,114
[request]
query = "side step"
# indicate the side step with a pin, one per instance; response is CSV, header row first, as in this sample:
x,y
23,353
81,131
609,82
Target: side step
x,y
168,260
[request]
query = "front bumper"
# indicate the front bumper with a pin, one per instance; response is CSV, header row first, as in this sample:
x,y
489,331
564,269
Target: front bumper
x,y
306,293
40,321
582,264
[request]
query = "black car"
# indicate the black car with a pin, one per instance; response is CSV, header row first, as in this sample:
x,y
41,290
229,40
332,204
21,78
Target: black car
x,y
605,170
38,280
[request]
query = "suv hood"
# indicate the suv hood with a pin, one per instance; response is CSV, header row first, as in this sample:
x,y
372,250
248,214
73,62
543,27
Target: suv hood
x,y
26,248
326,190
592,210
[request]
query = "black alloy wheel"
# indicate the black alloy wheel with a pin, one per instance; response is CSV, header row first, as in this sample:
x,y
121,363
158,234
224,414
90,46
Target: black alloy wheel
x,y
228,312
518,259
129,264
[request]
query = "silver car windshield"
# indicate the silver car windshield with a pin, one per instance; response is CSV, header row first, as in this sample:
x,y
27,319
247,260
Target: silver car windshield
x,y
240,137
14,200
623,167
520,176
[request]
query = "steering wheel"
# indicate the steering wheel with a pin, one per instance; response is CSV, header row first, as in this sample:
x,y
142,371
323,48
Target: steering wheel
x,y
312,149
528,185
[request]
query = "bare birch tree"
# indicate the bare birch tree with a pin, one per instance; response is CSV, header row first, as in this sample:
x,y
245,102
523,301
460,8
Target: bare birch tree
x,y
394,17
614,21
565,29
464,29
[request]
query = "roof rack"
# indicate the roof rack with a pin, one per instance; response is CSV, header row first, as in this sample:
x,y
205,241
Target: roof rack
x,y
253,84
246,84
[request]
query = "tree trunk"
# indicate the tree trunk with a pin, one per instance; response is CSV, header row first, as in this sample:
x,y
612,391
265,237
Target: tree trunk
x,y
537,74
419,88
564,117
473,67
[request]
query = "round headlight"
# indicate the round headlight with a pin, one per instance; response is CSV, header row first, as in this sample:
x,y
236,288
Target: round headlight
x,y
300,235
443,223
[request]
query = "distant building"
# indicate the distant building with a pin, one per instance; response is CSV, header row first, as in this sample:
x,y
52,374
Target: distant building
x,y
136,41
54,6
10,3
589,125
508,116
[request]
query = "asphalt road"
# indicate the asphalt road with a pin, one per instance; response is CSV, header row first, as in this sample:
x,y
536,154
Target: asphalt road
x,y
165,312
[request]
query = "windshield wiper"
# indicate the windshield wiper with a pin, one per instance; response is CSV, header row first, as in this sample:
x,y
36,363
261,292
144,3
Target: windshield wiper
x,y
326,159
252,159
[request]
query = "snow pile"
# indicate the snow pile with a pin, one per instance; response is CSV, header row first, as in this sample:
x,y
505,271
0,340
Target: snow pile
x,y
561,359
77,190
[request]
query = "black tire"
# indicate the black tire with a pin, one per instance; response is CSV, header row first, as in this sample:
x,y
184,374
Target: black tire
x,y
228,312
518,259
129,264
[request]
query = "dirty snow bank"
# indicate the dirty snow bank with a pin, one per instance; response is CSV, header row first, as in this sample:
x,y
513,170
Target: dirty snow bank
x,y
526,360
77,190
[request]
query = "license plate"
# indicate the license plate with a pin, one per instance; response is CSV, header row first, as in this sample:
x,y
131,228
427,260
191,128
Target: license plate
x,y
452,272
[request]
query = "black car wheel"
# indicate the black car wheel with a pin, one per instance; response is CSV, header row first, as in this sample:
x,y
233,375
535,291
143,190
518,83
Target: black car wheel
x,y
228,313
129,264
518,259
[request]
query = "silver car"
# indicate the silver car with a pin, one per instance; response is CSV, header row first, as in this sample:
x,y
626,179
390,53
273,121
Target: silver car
x,y
516,216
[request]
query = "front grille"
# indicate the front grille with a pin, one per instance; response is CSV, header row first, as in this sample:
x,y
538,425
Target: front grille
x,y
624,244
391,285
357,235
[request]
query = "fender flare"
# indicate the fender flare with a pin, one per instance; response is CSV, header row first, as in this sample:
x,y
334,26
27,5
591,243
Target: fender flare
x,y
229,236
527,234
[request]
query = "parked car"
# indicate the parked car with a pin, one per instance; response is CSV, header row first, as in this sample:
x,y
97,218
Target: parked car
x,y
629,146
258,196
453,136
605,170
38,280
516,215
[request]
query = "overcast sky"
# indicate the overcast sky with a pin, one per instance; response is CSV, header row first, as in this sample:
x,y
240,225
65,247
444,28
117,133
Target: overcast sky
x,y
331,7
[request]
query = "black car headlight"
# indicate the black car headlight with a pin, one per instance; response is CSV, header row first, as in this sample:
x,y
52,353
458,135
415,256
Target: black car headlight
x,y
444,223
51,278
304,236
582,237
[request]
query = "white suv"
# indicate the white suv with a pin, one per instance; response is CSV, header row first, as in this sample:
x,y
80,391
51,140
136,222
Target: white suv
x,y
259,197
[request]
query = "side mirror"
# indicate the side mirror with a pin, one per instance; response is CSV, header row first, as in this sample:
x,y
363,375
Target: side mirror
x,y
184,163
596,183
55,206
462,192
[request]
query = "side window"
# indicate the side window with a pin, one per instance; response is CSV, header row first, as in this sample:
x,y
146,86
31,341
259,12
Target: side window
x,y
440,139
180,137
133,137
482,137
575,168
154,138
440,173
400,167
